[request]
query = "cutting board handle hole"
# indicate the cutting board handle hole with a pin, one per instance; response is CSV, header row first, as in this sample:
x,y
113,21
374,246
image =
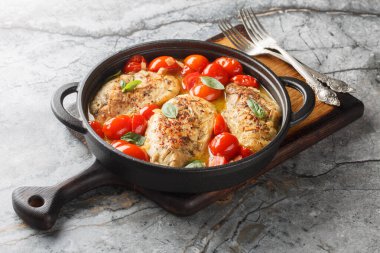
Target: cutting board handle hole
x,y
36,201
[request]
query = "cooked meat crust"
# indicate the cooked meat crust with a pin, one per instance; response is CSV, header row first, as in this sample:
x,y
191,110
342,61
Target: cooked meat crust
x,y
175,142
251,131
154,89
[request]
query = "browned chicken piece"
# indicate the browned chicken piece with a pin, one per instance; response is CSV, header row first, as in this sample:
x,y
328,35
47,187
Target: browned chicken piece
x,y
251,131
155,88
175,142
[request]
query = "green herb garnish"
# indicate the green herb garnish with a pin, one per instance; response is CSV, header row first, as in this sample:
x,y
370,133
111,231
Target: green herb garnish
x,y
195,164
256,108
212,83
113,76
129,86
133,138
169,110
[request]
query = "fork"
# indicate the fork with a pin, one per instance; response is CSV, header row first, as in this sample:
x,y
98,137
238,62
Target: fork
x,y
262,43
247,46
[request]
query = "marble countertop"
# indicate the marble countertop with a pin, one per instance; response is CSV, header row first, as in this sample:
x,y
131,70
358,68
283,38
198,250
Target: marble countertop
x,y
326,199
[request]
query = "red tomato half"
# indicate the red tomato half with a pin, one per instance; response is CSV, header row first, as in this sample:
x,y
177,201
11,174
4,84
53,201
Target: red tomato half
x,y
166,62
245,80
189,80
230,65
134,64
216,71
217,160
196,62
116,127
97,127
205,92
139,124
147,111
225,144
130,149
244,152
220,125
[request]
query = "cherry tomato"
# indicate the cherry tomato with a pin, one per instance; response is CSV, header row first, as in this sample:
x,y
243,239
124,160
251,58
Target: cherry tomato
x,y
220,125
166,62
134,64
187,70
147,111
230,65
97,127
205,92
244,152
139,124
216,71
130,149
245,80
196,62
189,80
217,160
116,127
225,144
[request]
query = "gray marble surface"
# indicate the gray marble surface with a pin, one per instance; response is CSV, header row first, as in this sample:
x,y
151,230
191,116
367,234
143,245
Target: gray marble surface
x,y
326,199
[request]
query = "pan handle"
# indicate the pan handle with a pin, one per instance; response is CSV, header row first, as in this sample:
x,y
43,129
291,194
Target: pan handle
x,y
39,206
60,112
308,99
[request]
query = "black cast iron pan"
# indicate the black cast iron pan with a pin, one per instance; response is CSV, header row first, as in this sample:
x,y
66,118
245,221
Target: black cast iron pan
x,y
39,206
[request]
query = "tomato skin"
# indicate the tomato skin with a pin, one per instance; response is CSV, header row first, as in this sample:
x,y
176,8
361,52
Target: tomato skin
x,y
116,127
196,62
205,92
166,62
244,152
230,65
225,144
246,80
190,80
134,64
217,160
147,111
187,70
130,149
220,125
97,127
139,124
216,71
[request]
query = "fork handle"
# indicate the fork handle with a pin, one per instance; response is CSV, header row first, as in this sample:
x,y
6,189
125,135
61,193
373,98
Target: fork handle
x,y
325,95
334,84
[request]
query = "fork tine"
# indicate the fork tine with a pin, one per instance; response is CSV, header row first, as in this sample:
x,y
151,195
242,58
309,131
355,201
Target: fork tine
x,y
251,30
256,21
236,38
243,39
223,26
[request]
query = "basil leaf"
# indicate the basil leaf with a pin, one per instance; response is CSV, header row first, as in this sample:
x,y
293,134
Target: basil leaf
x,y
169,110
256,108
113,76
129,86
212,83
195,164
133,138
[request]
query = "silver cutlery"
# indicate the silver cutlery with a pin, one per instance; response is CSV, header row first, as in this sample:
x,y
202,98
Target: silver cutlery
x,y
262,43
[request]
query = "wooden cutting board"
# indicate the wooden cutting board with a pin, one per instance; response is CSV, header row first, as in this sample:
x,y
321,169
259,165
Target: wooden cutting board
x,y
323,121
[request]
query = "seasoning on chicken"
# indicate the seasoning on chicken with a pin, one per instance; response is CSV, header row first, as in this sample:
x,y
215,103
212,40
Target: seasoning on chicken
x,y
177,141
252,131
154,88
